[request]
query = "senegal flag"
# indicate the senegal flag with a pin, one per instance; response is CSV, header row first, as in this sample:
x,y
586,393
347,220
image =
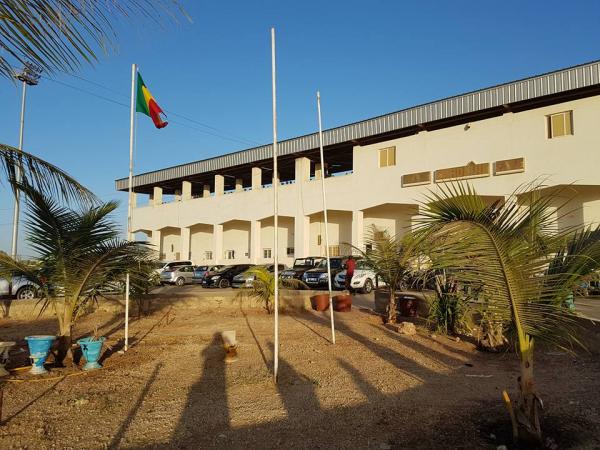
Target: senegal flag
x,y
146,104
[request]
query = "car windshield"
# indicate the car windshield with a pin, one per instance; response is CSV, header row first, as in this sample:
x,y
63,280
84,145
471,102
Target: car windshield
x,y
201,268
224,268
362,265
334,262
303,262
159,265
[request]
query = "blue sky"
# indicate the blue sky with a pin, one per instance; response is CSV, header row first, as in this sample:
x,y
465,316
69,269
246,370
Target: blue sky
x,y
367,58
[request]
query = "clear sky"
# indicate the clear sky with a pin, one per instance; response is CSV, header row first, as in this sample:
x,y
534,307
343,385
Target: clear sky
x,y
367,58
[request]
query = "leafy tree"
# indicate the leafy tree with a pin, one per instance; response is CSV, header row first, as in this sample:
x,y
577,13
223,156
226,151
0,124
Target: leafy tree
x,y
524,267
79,257
263,286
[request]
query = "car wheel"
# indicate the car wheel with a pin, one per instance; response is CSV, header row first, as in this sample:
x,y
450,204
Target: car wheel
x,y
180,281
224,283
368,287
26,293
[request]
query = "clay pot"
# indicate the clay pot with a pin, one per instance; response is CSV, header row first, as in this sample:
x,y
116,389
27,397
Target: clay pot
x,y
320,302
342,303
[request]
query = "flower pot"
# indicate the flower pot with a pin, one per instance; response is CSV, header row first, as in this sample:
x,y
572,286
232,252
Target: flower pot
x,y
407,306
342,303
39,347
320,302
91,349
4,347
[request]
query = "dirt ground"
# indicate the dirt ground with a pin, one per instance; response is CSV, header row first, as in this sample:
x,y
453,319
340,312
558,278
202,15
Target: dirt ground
x,y
374,389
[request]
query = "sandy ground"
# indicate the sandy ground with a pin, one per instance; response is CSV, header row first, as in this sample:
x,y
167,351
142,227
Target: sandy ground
x,y
373,389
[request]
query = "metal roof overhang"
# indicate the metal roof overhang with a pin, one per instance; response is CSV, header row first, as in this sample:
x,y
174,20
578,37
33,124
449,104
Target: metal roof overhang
x,y
553,87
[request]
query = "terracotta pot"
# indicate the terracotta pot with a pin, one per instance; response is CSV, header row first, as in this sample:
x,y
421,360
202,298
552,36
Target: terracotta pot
x,y
342,303
320,302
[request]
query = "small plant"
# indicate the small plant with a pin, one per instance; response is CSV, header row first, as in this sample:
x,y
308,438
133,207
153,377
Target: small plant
x,y
448,308
263,286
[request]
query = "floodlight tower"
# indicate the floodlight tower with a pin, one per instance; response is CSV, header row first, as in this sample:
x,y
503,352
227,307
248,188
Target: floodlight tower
x,y
29,76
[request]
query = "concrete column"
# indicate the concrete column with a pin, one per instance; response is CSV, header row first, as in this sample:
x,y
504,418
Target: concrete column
x,y
219,185
177,195
302,170
301,236
318,171
156,241
206,191
157,196
218,256
185,244
358,232
255,244
239,185
186,190
256,178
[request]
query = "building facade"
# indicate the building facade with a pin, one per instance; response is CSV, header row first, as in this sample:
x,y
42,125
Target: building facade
x,y
378,171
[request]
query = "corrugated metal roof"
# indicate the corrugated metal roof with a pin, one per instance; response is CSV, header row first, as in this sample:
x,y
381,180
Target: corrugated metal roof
x,y
564,80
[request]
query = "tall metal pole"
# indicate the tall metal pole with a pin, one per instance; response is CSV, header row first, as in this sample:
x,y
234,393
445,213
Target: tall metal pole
x,y
275,212
129,197
16,210
325,217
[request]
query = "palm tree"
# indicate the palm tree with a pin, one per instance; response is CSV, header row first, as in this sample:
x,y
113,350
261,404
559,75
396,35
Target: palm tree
x,y
41,176
59,35
392,259
263,286
524,267
78,256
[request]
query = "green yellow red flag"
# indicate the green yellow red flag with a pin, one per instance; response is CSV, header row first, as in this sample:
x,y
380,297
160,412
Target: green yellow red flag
x,y
146,104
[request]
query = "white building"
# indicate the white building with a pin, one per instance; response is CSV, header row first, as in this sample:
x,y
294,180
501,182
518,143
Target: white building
x,y
219,210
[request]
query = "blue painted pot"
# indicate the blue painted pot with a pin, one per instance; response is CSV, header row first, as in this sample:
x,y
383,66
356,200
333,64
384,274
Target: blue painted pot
x,y
91,349
39,347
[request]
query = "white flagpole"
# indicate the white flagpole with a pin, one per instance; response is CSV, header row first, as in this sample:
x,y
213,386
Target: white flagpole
x,y
129,198
325,217
275,212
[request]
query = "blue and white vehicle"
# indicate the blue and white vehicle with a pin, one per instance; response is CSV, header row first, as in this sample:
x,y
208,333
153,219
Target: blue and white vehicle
x,y
364,279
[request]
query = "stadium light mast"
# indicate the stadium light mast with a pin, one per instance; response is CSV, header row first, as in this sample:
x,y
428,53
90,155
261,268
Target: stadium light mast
x,y
29,76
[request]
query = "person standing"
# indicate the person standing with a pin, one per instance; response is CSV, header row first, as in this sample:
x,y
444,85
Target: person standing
x,y
350,266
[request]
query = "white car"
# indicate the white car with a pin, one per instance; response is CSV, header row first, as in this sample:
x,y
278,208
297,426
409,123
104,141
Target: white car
x,y
363,280
161,266
20,288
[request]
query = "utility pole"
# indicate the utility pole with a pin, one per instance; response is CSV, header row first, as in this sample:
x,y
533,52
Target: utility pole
x,y
29,76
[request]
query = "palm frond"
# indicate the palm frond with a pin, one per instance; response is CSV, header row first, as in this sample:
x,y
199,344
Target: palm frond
x,y
58,35
41,177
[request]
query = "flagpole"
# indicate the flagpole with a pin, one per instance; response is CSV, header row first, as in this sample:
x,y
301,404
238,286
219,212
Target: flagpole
x,y
325,217
275,211
129,197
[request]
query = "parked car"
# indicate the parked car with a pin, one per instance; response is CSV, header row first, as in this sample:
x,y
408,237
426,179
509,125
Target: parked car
x,y
201,271
244,279
164,265
317,277
19,288
300,266
363,280
177,275
224,276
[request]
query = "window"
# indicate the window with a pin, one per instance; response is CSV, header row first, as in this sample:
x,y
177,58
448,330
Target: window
x,y
319,239
208,255
387,157
334,250
266,253
290,251
560,124
230,254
